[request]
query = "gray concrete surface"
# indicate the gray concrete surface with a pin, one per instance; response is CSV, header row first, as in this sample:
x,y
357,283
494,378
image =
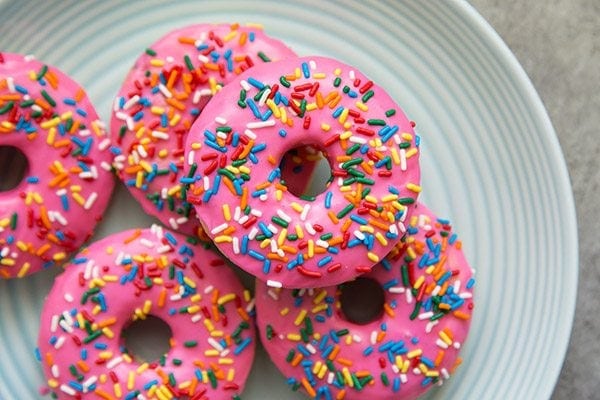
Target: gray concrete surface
x,y
558,44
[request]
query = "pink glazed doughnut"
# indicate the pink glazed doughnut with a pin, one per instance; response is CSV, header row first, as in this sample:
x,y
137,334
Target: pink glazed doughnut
x,y
129,276
65,189
425,287
163,94
254,220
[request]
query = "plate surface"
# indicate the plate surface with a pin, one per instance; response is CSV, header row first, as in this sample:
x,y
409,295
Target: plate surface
x,y
490,162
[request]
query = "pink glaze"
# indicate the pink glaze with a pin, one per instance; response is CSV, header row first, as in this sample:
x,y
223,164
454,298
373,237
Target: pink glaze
x,y
163,94
396,355
233,153
128,276
66,189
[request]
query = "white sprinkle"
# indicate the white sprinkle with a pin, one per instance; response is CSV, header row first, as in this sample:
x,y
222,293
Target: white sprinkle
x,y
281,253
352,74
425,315
165,248
222,135
87,273
284,216
173,223
68,297
196,317
430,325
256,212
393,229
357,139
219,229
142,151
311,348
221,120
309,228
86,175
236,245
114,362
322,243
206,182
121,116
465,295
216,345
59,342
396,290
250,305
67,389
253,233
456,345
359,235
403,378
147,243
275,284
250,134
182,220
203,59
163,89
263,98
403,159
103,145
440,343
160,135
416,371
304,213
65,326
260,124
55,371
445,373
356,338
245,85
395,369
330,377
436,290
11,84
237,213
272,228
373,337
89,382
90,201
274,246
208,289
54,323
129,103
409,297
243,220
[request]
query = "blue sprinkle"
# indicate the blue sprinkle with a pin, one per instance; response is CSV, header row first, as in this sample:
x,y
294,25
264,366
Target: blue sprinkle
x,y
328,198
324,261
256,255
244,247
266,266
337,112
171,238
33,179
69,102
245,343
305,70
282,133
258,147
470,283
257,84
358,219
368,351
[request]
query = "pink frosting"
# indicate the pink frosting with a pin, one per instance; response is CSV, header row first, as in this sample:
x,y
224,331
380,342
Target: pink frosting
x,y
68,184
411,347
128,276
161,97
233,153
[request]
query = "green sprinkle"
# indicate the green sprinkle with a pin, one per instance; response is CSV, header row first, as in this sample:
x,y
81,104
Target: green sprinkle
x,y
7,107
367,96
150,52
290,355
284,82
342,332
122,131
188,62
352,162
376,122
227,173
345,89
280,221
437,316
241,103
337,81
42,72
352,149
404,271
269,332
263,57
13,221
390,112
177,361
225,129
326,236
345,211
48,98
27,103
416,310
190,343
384,379
92,337
404,145
172,379
406,200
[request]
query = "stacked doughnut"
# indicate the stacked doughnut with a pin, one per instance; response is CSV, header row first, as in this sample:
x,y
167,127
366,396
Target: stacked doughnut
x,y
217,131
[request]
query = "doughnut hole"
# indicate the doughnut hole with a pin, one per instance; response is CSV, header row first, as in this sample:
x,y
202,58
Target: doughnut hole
x,y
146,340
13,167
306,171
362,301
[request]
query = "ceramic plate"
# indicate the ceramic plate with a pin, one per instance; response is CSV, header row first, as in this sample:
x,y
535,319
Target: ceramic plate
x,y
490,159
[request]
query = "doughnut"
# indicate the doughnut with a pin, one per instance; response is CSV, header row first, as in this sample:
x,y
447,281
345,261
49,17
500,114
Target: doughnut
x,y
162,95
47,119
324,346
127,277
233,154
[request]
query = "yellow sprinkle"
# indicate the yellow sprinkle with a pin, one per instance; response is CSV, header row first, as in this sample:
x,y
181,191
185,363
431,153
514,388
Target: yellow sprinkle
x,y
381,239
299,231
24,269
362,106
223,239
226,298
320,296
117,390
209,325
419,282
325,127
211,353
193,309
373,257
295,337
311,248
414,353
414,188
347,377
143,367
196,145
155,62
319,308
50,123
284,311
411,152
300,318
389,197
130,380
346,135
445,338
319,75
225,361
297,207
282,236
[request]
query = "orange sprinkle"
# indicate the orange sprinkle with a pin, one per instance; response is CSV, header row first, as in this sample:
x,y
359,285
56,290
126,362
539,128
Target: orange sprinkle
x,y
136,234
309,389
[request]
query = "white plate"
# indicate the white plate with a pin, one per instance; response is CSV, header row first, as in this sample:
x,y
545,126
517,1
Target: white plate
x,y
490,161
